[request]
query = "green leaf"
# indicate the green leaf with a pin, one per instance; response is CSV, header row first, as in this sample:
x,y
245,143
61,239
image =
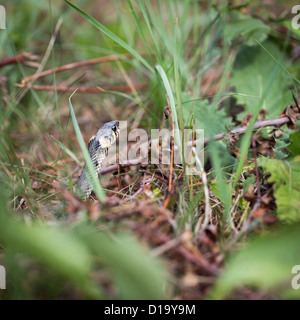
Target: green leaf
x,y
249,28
206,116
286,176
266,263
68,151
294,146
251,75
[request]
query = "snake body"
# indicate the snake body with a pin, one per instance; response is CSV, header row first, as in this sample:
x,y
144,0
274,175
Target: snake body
x,y
98,149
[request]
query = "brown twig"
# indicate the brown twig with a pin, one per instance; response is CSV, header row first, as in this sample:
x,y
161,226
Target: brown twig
x,y
257,125
157,176
114,167
76,65
85,90
17,58
169,197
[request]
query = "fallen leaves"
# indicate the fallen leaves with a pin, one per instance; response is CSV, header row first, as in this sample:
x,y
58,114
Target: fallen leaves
x,y
293,113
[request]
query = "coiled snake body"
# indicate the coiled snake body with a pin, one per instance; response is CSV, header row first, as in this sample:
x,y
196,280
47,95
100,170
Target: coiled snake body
x,y
98,149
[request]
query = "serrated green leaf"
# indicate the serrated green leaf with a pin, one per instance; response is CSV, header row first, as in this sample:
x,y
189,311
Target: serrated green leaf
x,y
207,117
280,155
249,28
251,75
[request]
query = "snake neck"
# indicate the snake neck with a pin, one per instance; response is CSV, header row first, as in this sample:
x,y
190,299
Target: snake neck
x,y
83,188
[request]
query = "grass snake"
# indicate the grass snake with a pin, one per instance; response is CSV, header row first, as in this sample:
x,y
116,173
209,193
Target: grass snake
x,y
98,150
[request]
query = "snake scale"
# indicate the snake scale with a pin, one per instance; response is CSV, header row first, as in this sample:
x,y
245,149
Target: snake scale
x,y
98,149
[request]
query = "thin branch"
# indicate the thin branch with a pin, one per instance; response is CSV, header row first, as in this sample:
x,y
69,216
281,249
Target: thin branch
x,y
82,89
45,58
23,56
114,167
76,65
257,125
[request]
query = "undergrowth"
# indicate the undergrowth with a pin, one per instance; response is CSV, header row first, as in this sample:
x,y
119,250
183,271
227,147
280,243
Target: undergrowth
x,y
149,231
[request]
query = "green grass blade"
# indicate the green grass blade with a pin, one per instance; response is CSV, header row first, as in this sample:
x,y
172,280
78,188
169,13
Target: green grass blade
x,y
150,30
172,104
140,29
178,89
66,150
110,34
127,96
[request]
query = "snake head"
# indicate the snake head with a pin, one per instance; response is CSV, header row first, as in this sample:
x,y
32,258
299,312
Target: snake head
x,y
105,136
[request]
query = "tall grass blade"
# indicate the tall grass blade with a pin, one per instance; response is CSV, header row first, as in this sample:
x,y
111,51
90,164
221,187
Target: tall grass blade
x,y
172,105
110,34
67,150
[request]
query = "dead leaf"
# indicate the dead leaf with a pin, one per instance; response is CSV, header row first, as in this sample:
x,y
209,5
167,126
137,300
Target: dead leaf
x,y
278,133
259,213
249,194
246,120
292,112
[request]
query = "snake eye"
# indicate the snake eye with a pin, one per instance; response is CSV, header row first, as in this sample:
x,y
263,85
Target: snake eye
x,y
114,128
